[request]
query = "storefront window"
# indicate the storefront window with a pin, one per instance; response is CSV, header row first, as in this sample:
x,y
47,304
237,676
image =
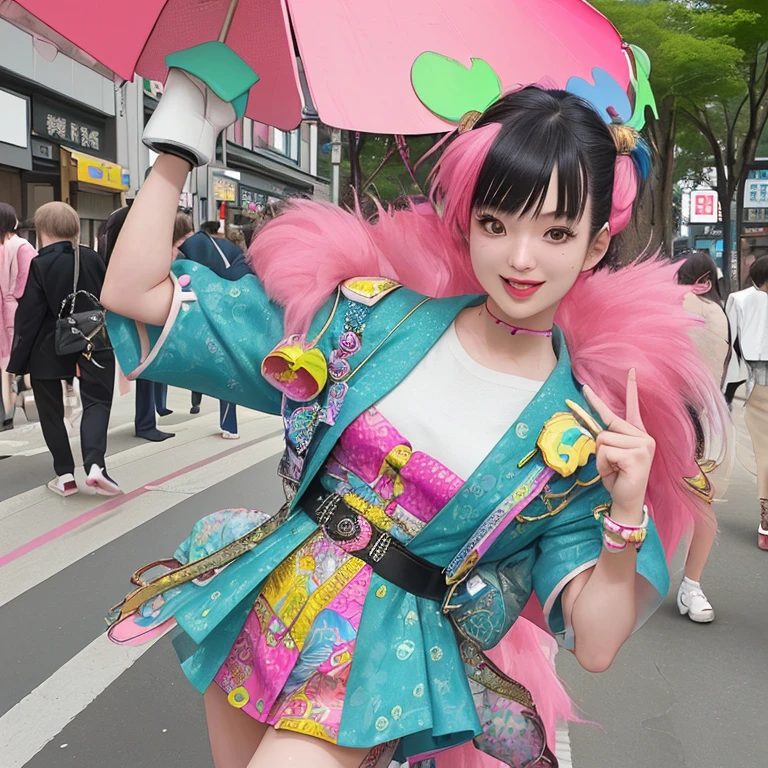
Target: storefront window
x,y
286,143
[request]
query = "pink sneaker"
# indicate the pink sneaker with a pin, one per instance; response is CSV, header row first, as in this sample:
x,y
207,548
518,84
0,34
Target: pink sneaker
x,y
64,485
102,482
762,531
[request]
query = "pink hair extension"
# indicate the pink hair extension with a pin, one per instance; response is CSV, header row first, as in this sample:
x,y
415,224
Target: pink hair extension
x,y
302,255
625,186
634,317
455,178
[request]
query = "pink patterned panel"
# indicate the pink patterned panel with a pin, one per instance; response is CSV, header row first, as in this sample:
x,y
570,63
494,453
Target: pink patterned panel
x,y
365,443
429,486
362,448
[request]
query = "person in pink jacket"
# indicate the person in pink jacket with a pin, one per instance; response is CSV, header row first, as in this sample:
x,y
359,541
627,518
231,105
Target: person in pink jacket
x,y
16,254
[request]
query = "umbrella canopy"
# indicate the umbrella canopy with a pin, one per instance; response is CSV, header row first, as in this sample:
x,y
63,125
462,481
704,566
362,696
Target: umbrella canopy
x,y
357,56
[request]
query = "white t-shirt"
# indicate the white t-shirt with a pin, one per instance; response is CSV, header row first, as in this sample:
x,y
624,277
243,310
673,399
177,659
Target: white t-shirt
x,y
454,409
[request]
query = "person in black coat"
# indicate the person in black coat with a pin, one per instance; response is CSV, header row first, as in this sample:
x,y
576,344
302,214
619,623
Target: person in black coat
x,y
150,396
50,281
226,260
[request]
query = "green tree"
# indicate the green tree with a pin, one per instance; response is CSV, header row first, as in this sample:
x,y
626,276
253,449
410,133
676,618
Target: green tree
x,y
373,166
733,121
693,56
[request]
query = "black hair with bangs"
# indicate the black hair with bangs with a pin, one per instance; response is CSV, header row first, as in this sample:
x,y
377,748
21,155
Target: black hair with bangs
x,y
544,130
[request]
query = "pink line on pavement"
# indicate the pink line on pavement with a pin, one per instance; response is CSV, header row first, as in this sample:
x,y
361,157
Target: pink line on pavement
x,y
115,502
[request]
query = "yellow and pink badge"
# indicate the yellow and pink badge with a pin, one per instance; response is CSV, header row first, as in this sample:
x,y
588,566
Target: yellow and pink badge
x,y
300,373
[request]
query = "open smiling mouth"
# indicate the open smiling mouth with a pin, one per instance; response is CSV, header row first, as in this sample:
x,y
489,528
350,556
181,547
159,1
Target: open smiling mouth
x,y
521,289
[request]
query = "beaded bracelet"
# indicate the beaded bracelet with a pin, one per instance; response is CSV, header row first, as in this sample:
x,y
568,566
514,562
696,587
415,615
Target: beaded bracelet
x,y
616,536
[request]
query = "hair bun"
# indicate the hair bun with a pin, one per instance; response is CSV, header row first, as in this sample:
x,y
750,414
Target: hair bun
x,y
624,137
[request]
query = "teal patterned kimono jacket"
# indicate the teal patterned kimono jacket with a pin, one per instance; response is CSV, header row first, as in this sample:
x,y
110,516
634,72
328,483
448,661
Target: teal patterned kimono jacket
x,y
214,341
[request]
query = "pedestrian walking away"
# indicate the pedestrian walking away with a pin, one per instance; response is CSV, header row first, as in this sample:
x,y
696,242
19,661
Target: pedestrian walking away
x,y
748,316
16,255
150,396
698,270
227,261
61,266
460,471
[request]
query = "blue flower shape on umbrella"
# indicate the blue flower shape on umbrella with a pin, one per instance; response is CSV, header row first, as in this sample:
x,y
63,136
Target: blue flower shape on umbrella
x,y
603,94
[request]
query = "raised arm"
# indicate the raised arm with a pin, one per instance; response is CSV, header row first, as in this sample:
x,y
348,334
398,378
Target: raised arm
x,y
137,284
206,90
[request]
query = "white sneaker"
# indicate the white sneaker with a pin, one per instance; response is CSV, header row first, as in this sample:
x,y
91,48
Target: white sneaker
x,y
102,482
64,485
230,435
692,601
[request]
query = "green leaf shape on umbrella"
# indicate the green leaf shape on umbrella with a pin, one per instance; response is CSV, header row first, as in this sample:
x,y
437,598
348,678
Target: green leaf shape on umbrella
x,y
643,92
449,89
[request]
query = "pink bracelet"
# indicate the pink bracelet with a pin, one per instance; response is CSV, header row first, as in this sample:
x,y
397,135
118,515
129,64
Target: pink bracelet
x,y
616,536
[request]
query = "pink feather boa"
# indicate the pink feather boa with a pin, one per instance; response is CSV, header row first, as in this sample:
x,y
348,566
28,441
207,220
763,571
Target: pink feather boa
x,y
612,321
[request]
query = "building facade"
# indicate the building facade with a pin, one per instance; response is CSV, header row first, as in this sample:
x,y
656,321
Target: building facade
x,y
255,167
69,133
57,134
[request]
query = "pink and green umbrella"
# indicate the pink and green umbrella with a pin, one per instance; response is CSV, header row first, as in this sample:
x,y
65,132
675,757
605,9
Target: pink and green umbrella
x,y
400,66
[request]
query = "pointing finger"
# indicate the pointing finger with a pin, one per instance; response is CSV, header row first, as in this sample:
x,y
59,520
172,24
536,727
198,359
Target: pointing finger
x,y
633,403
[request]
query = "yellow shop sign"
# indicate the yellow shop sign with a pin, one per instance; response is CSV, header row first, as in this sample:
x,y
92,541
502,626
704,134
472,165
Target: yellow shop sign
x,y
102,173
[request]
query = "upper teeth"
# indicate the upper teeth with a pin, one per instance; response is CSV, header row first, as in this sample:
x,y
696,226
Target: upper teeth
x,y
521,286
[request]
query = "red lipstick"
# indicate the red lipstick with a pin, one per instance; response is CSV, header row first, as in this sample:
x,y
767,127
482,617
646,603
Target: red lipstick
x,y
521,289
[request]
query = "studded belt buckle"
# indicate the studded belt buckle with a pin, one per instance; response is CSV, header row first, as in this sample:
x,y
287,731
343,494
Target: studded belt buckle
x,y
349,530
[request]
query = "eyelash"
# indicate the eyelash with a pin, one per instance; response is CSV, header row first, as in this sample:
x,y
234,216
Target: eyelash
x,y
569,234
486,219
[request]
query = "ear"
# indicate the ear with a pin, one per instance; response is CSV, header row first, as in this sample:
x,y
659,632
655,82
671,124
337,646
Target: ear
x,y
597,248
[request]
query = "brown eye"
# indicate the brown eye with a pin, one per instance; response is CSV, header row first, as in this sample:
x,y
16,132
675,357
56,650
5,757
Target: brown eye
x,y
494,227
559,235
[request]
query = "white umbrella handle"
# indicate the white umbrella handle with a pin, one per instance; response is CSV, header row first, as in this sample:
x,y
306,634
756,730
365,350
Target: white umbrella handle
x,y
228,21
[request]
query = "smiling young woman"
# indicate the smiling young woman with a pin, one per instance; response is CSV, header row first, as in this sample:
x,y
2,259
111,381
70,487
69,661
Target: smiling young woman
x,y
445,466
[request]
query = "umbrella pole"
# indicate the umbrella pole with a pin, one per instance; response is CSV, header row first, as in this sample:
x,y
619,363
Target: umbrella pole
x,y
228,21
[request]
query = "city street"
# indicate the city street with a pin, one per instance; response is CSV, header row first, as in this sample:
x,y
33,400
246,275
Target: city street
x,y
680,695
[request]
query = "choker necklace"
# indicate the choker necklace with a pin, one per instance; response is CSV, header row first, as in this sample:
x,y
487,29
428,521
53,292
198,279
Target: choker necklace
x,y
513,329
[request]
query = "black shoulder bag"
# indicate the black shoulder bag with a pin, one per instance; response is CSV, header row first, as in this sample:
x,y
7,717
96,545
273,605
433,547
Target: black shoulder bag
x,y
82,332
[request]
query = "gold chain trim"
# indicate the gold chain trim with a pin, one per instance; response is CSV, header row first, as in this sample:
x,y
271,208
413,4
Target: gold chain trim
x,y
198,568
487,674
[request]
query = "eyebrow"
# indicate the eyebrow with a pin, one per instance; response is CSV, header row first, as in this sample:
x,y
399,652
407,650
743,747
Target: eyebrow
x,y
543,215
553,215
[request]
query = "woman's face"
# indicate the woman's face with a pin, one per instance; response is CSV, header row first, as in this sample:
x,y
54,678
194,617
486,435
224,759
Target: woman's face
x,y
526,264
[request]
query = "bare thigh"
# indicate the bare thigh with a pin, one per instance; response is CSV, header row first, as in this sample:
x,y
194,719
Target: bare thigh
x,y
286,749
234,736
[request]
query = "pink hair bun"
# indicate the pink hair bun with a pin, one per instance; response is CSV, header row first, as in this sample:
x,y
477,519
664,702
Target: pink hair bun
x,y
625,186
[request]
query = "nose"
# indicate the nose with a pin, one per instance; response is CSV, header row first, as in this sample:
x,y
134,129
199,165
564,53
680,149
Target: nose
x,y
521,256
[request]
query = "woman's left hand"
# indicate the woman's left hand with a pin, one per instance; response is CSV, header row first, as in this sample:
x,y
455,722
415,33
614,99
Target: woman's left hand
x,y
624,450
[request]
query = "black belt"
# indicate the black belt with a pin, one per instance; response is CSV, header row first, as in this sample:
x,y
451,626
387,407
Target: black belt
x,y
386,556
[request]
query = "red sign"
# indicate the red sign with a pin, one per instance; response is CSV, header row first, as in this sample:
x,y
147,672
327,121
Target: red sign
x,y
704,207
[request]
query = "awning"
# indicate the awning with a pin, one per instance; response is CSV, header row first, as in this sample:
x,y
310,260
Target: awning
x,y
101,173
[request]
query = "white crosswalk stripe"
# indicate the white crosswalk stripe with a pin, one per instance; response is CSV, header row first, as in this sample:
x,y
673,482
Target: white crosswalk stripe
x,y
40,717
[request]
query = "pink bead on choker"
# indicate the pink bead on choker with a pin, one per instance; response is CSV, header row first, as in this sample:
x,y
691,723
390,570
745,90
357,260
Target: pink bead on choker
x,y
513,329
